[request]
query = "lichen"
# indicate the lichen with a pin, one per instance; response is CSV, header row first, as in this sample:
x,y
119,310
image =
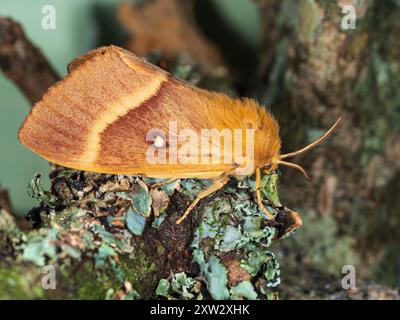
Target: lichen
x,y
102,233
232,228
235,227
179,286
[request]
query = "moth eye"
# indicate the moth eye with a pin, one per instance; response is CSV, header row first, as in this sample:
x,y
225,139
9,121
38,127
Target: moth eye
x,y
268,166
249,125
159,142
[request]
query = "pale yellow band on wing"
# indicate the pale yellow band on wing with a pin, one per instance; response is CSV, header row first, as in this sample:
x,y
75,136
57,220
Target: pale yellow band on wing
x,y
114,111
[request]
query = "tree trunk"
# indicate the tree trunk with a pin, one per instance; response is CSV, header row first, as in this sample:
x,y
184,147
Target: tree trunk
x,y
97,231
314,71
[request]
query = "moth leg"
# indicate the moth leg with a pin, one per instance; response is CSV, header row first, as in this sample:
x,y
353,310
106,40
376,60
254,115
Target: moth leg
x,y
163,183
218,184
259,197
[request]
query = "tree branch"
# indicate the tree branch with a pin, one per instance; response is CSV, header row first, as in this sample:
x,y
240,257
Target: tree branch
x,y
22,62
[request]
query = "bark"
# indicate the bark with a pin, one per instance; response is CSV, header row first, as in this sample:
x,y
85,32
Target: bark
x,y
313,71
5,202
95,229
167,27
23,62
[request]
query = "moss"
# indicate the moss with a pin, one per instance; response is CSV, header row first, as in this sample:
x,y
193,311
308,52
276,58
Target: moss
x,y
88,285
140,271
17,283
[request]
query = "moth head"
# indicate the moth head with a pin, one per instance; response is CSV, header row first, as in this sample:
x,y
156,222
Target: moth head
x,y
271,166
275,162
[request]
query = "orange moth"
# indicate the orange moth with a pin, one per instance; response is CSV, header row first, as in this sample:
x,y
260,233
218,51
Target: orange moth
x,y
113,109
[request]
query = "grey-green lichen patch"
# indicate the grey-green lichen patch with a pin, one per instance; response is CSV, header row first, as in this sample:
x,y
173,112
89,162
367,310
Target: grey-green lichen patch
x,y
40,248
17,280
243,290
139,197
163,288
269,186
232,228
271,270
217,278
179,286
72,235
99,218
35,190
135,222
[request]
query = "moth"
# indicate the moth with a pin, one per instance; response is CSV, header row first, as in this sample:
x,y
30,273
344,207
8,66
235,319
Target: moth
x,y
98,118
